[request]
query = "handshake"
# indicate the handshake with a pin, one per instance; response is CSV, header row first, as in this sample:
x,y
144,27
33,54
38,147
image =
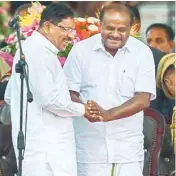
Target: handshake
x,y
95,113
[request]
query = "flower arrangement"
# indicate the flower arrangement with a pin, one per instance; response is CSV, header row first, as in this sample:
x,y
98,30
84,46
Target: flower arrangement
x,y
28,23
4,18
85,28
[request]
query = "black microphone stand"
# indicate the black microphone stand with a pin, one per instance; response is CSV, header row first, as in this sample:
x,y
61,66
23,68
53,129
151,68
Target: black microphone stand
x,y
20,68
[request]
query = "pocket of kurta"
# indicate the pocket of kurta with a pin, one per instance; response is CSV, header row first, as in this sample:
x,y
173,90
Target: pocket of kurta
x,y
127,85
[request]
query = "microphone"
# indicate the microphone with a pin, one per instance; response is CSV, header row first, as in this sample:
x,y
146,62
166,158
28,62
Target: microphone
x,y
13,22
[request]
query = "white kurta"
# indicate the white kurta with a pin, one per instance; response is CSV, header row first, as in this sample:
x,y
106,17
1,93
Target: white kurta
x,y
110,81
50,145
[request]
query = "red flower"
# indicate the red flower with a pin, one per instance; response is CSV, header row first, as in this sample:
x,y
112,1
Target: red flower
x,y
87,27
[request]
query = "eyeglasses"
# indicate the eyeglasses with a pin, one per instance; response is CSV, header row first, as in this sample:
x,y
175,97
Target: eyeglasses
x,y
67,29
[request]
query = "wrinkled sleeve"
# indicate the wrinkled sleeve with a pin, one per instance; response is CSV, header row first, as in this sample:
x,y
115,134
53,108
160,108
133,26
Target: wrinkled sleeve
x,y
145,81
72,70
48,85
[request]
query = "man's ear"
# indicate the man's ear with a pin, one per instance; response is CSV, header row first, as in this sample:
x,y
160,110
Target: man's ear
x,y
172,44
46,27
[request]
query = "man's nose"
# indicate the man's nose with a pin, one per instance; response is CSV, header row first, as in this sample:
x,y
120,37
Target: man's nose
x,y
71,35
115,34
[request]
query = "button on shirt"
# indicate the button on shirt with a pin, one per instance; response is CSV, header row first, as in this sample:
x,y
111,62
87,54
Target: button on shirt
x,y
110,81
49,124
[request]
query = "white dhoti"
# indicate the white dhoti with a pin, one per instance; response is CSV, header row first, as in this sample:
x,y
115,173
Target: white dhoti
x,y
57,158
43,165
125,169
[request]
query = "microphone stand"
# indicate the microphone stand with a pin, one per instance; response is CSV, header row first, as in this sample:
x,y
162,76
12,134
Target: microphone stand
x,y
20,68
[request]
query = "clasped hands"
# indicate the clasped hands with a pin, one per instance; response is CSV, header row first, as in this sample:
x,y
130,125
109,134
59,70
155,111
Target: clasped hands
x,y
95,113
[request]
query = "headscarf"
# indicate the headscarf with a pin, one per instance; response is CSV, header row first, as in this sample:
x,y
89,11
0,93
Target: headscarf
x,y
164,64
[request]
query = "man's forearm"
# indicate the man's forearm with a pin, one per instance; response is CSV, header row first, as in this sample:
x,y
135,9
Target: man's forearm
x,y
75,97
131,107
92,115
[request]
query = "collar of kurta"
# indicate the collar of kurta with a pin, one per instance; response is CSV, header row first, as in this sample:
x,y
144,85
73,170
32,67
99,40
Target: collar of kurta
x,y
45,42
99,44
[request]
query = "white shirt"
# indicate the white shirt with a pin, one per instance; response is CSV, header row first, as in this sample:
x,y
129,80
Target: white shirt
x,y
49,122
110,81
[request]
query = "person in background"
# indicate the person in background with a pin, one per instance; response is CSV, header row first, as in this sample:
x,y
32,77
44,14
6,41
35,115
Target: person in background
x,y
161,36
118,72
5,116
8,166
166,82
50,143
6,61
2,92
162,103
166,75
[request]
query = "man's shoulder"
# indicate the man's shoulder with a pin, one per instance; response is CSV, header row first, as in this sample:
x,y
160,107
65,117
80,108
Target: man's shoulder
x,y
89,42
33,50
157,55
33,45
137,45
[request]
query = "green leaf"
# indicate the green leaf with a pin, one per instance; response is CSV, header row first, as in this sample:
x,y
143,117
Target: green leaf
x,y
61,53
66,51
83,27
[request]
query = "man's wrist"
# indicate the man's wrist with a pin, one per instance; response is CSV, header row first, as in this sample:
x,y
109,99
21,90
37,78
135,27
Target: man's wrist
x,y
111,115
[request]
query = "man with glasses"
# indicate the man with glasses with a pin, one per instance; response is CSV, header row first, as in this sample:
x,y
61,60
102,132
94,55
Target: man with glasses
x,y
118,72
50,143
